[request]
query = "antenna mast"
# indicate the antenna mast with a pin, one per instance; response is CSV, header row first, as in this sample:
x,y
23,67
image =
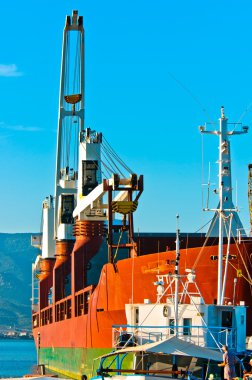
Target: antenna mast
x,y
226,206
177,274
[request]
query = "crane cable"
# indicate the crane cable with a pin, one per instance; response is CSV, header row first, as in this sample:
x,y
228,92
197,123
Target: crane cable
x,y
76,79
109,170
110,166
116,156
117,248
67,128
203,246
249,279
239,251
243,261
106,152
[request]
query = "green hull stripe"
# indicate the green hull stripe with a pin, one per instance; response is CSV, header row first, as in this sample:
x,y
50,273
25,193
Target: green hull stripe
x,y
75,362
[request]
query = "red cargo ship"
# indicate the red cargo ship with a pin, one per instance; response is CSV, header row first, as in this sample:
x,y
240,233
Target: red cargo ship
x,y
91,263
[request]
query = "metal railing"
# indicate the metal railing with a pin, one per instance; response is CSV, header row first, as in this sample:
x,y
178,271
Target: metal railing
x,y
209,337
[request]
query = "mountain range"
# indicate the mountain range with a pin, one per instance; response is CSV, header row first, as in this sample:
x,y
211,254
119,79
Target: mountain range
x,y
16,258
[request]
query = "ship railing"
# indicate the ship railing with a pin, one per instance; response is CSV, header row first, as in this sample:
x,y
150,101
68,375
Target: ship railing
x,y
46,316
209,337
244,234
35,320
63,309
35,308
82,300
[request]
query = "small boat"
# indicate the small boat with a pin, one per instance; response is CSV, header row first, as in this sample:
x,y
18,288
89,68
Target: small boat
x,y
169,358
181,336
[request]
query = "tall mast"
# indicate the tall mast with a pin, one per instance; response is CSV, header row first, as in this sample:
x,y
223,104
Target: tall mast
x,y
70,123
176,301
226,206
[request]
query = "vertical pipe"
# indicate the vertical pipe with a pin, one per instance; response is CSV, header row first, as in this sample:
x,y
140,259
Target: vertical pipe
x,y
220,250
110,225
54,296
73,313
234,289
59,137
32,300
131,228
38,350
177,277
82,113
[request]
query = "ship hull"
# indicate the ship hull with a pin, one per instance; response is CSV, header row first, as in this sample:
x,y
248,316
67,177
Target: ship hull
x,y
75,362
70,362
70,344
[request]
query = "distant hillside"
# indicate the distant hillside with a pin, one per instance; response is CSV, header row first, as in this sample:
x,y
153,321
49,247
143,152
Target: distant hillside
x,y
16,257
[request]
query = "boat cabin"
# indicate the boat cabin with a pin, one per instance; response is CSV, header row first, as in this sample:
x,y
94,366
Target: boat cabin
x,y
209,326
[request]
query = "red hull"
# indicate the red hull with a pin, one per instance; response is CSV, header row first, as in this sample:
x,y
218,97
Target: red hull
x,y
87,315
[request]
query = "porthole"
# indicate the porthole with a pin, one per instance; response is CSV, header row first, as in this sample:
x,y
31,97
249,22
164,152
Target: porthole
x,y
165,311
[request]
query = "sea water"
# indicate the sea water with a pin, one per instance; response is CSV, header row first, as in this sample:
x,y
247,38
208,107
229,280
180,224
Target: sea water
x,y
17,357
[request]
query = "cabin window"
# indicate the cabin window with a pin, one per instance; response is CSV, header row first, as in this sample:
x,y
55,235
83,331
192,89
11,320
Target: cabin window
x,y
165,311
89,181
67,208
171,324
50,292
136,316
187,325
67,285
227,319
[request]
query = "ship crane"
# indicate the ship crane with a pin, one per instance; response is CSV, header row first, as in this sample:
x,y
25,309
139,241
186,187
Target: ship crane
x,y
84,210
57,220
70,124
83,201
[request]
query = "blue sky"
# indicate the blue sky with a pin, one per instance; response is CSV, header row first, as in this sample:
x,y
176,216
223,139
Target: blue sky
x,y
155,71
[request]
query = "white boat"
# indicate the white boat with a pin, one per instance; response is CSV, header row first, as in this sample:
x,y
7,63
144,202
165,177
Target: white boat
x,y
170,358
179,334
